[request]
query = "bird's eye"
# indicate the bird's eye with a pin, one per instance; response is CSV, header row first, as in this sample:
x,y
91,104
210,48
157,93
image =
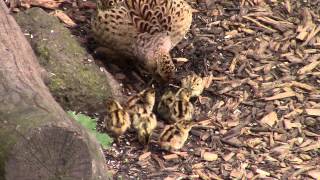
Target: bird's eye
x,y
111,3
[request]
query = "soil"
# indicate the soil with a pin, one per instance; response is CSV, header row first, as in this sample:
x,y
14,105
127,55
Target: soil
x,y
263,106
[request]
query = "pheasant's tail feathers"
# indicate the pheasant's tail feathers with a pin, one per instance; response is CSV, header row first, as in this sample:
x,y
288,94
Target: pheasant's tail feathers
x,y
150,15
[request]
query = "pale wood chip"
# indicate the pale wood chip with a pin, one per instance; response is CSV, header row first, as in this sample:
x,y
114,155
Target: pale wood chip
x,y
207,81
311,35
231,34
313,112
314,173
303,86
270,119
202,175
253,142
314,146
309,67
305,157
288,6
198,166
310,134
50,4
281,96
262,173
282,149
228,156
290,125
214,176
295,160
181,60
64,18
259,24
294,59
209,156
144,156
236,173
170,156
293,113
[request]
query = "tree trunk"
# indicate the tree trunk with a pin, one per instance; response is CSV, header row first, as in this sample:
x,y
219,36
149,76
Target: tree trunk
x,y
37,138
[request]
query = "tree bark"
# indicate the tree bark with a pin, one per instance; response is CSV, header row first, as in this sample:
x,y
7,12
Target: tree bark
x,y
37,138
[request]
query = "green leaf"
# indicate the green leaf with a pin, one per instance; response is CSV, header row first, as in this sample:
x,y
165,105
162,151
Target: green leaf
x,y
89,123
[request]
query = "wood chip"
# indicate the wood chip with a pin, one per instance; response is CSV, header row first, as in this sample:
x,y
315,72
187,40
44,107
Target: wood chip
x,y
202,175
207,81
198,166
144,156
228,156
309,67
262,173
64,18
290,125
270,119
315,174
314,146
181,60
281,96
50,4
313,112
170,157
209,156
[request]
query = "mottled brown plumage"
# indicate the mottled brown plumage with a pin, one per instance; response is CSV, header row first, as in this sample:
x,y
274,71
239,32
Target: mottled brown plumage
x,y
117,120
143,120
143,30
174,136
194,84
174,107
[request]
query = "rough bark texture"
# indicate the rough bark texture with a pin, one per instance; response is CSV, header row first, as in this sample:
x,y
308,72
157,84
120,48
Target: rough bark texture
x,y
37,138
75,82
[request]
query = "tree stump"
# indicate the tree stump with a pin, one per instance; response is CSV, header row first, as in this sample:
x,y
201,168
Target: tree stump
x,y
38,140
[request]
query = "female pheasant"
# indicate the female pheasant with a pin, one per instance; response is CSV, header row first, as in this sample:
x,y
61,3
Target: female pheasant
x,y
145,30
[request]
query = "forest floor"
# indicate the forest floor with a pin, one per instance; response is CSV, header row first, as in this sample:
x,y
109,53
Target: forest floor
x,y
263,106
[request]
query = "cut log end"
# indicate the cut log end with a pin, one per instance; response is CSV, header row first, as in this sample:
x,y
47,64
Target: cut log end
x,y
50,153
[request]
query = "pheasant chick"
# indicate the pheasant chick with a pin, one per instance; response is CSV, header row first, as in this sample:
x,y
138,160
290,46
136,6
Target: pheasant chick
x,y
144,124
117,120
176,107
143,102
194,84
174,136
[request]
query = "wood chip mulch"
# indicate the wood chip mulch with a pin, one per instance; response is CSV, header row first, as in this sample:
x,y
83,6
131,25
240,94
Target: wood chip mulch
x,y
263,106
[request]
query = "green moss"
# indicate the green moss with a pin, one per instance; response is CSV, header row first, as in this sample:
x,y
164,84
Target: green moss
x,y
75,83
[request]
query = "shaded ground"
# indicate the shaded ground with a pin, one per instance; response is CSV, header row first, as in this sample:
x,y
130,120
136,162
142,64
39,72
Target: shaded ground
x,y
264,102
